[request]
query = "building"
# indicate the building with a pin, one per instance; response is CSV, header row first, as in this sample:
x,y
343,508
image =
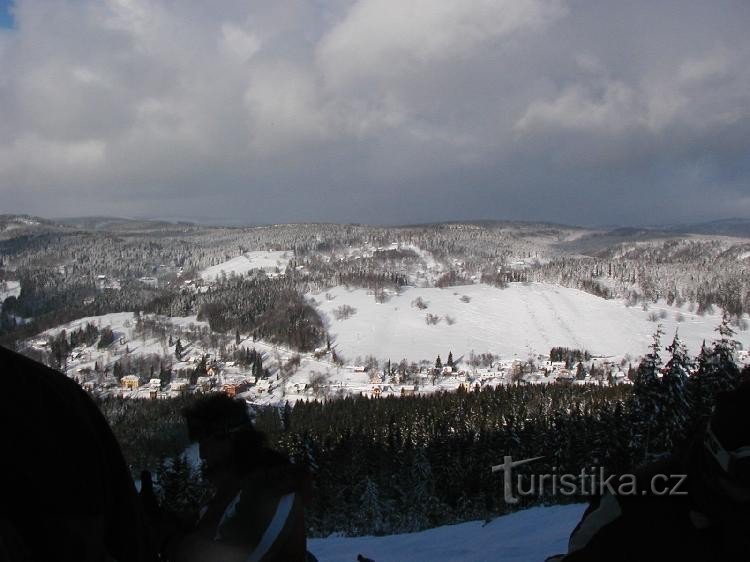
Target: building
x,y
233,389
130,382
180,386
150,282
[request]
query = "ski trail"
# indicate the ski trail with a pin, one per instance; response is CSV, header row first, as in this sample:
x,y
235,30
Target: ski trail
x,y
563,324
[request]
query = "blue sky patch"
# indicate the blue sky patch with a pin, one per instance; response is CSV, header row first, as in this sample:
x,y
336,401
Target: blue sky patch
x,y
6,17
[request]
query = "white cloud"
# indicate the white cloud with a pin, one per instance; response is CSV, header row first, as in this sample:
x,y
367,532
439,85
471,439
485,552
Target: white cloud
x,y
385,38
238,43
612,106
711,65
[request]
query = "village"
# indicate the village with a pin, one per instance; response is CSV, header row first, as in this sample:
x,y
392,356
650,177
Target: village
x,y
283,374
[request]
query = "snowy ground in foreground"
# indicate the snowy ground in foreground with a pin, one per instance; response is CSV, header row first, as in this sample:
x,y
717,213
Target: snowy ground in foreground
x,y
523,319
525,536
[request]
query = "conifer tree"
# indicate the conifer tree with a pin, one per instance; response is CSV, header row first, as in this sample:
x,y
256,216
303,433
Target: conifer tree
x,y
647,397
716,372
676,406
371,509
580,372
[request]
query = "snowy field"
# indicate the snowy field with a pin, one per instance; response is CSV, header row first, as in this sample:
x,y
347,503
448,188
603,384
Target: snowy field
x,y
267,261
9,289
515,323
525,536
523,319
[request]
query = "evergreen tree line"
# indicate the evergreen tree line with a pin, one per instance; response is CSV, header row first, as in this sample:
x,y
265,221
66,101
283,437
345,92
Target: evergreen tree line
x,y
392,465
402,464
269,309
570,356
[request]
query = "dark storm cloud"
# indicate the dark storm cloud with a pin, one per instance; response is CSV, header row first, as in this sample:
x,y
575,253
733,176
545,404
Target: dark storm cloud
x,y
383,111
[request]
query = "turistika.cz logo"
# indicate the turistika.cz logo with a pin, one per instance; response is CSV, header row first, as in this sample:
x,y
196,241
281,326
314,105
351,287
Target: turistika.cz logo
x,y
588,482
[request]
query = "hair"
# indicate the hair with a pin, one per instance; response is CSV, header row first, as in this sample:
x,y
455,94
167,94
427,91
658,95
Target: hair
x,y
219,415
215,414
730,420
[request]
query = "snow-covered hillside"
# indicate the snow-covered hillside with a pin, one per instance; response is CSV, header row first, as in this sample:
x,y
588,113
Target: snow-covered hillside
x,y
522,320
9,289
525,536
270,262
517,323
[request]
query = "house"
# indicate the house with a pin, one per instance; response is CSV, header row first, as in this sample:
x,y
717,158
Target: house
x,y
149,282
408,391
376,392
130,382
554,365
180,386
233,389
204,383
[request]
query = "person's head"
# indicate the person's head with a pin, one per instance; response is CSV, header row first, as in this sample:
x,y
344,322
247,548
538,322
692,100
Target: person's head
x,y
727,444
224,432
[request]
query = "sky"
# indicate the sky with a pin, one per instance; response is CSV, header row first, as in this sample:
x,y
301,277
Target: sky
x,y
376,111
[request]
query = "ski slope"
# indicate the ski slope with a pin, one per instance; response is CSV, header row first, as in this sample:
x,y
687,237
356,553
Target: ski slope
x,y
267,261
528,535
9,289
523,320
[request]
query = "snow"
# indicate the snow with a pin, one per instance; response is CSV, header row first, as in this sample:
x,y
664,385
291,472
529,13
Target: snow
x,y
522,320
531,534
9,289
518,322
267,261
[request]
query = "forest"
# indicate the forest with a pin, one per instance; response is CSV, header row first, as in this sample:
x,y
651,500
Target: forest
x,y
391,465
60,267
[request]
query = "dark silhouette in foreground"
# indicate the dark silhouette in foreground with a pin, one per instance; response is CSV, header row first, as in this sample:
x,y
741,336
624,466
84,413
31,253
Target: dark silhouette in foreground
x,y
65,489
257,510
709,521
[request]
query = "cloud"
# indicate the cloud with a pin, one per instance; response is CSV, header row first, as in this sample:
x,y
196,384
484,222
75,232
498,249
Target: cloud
x,y
613,107
376,110
238,43
386,38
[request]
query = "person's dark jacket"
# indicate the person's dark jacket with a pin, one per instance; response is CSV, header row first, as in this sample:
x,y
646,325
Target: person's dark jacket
x,y
65,490
696,523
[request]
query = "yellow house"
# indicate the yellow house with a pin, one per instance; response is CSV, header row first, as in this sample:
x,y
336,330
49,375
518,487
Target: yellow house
x,y
130,382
